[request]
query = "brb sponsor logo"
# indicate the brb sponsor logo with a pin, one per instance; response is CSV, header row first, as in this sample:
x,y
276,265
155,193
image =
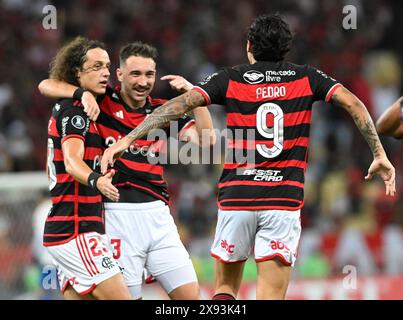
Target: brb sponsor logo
x,y
264,175
227,247
253,76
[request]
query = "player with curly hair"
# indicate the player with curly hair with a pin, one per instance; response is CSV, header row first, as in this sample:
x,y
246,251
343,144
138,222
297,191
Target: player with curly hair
x,y
74,232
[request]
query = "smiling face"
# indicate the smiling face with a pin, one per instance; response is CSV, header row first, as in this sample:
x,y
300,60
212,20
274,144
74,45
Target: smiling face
x,y
137,76
95,71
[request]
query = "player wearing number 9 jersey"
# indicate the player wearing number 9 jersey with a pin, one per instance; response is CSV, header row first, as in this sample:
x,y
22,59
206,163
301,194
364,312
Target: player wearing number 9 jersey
x,y
279,114
75,229
260,198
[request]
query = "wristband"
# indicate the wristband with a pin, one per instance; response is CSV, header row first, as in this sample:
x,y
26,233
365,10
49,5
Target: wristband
x,y
78,93
93,178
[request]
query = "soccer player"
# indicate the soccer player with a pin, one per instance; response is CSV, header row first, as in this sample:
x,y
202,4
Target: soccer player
x,y
390,122
75,228
260,200
140,226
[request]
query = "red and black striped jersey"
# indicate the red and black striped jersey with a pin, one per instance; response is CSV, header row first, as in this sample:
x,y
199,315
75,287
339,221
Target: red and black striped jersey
x,y
268,108
76,208
138,177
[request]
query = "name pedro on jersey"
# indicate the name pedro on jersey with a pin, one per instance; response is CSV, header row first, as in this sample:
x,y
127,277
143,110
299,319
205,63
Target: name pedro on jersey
x,y
172,310
270,92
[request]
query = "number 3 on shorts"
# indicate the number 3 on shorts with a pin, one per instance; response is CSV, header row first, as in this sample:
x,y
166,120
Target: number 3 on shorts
x,y
115,243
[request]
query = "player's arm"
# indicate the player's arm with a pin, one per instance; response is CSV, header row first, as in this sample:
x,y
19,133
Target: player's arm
x,y
57,89
73,153
390,122
380,165
202,133
170,110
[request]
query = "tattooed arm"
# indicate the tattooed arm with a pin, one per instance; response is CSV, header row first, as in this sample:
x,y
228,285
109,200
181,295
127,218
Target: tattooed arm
x,y
380,165
171,110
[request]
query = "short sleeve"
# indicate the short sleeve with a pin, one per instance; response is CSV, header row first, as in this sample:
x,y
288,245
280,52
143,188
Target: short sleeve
x,y
73,122
322,85
214,87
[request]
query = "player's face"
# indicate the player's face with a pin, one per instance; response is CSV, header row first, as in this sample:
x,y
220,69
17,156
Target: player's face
x,y
95,72
137,76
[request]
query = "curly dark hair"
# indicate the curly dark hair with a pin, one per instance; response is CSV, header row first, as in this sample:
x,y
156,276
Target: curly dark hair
x,y
71,59
138,49
270,38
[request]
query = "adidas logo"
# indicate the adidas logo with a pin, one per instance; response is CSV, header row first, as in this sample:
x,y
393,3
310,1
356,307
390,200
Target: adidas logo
x,y
119,114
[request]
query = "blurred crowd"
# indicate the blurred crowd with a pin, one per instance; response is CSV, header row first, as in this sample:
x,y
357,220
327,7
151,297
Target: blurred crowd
x,y
346,220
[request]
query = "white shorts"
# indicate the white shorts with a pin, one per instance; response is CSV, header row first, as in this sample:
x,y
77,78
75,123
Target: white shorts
x,y
144,235
84,262
273,233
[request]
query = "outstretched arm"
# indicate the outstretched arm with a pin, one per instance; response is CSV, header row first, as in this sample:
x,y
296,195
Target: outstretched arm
x,y
59,89
390,123
202,133
171,110
380,165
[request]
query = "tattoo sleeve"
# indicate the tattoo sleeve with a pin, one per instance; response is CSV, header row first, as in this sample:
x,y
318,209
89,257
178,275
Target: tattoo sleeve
x,y
344,98
171,110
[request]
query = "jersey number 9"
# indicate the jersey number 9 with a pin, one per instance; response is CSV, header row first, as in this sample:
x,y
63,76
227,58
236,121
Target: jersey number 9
x,y
276,132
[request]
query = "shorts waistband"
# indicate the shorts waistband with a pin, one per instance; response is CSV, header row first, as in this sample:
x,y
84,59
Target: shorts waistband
x,y
134,206
276,211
